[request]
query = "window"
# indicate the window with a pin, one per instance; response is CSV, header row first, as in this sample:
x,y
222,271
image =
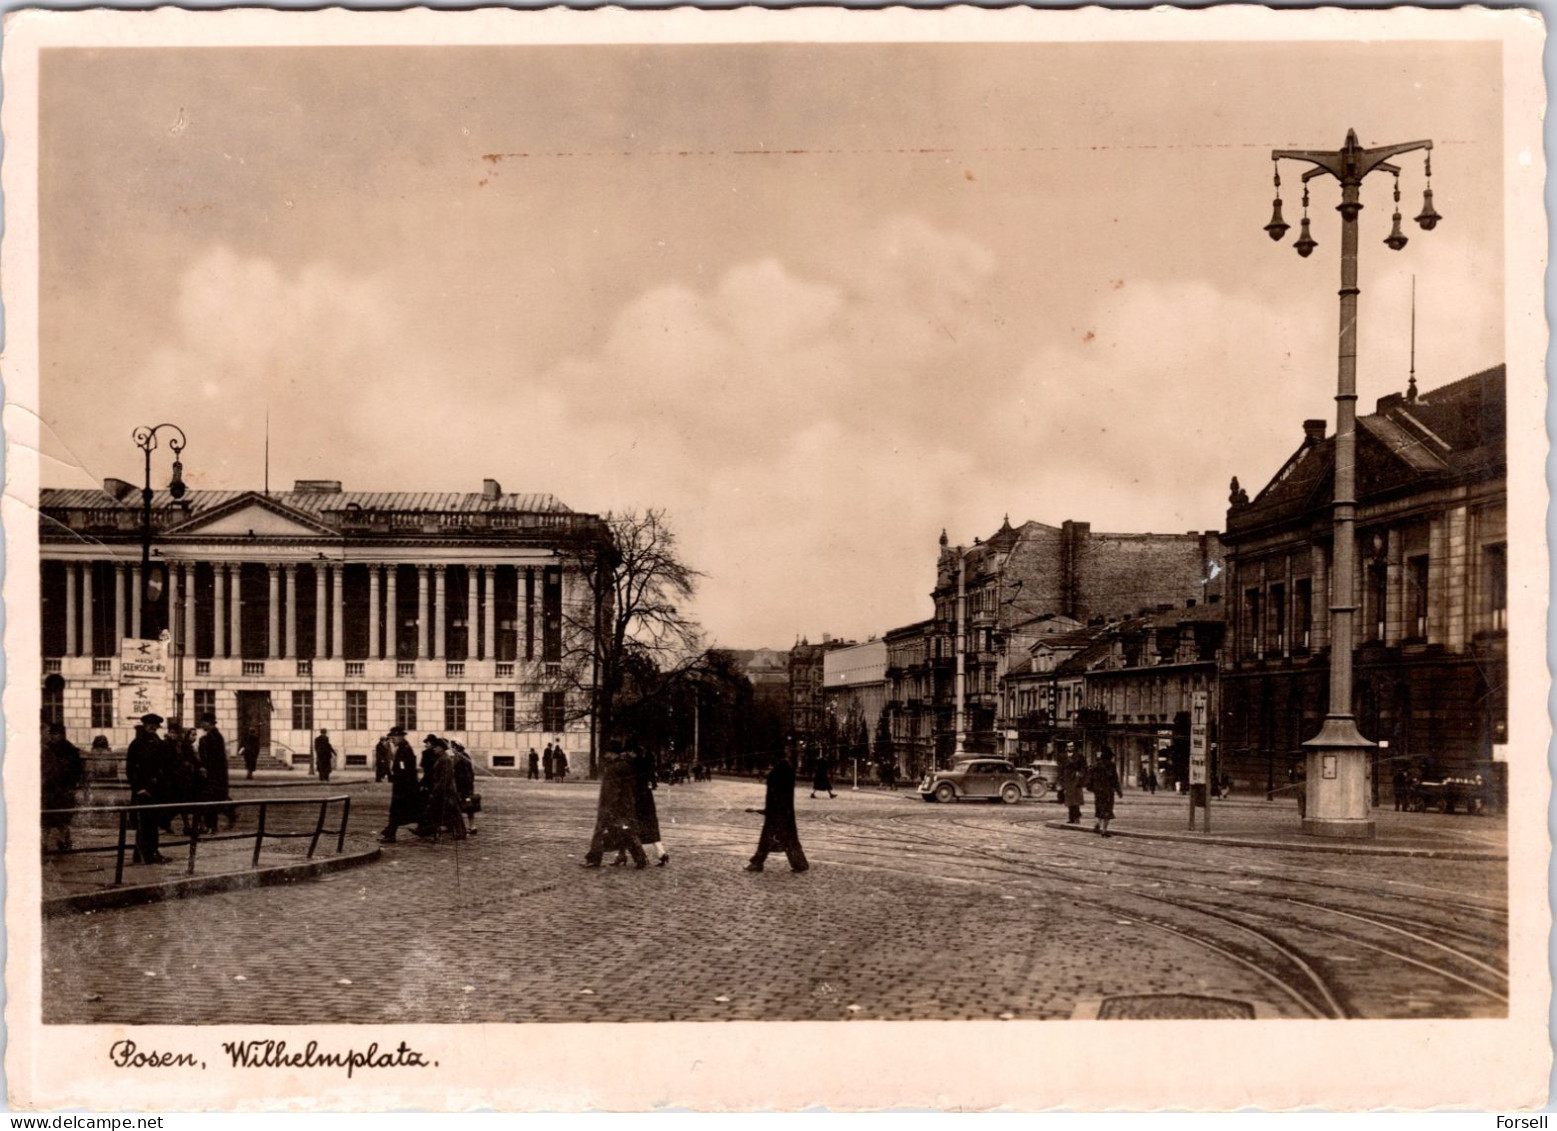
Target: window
x,y
503,710
356,710
1251,622
1378,599
102,708
551,609
54,706
205,703
1278,617
1416,594
1495,569
553,713
453,710
302,710
405,710
1303,615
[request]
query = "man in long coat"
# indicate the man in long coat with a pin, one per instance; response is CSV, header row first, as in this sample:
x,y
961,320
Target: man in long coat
x,y
616,818
324,755
383,755
212,748
1073,780
546,761
778,820
249,751
145,771
442,808
62,772
405,798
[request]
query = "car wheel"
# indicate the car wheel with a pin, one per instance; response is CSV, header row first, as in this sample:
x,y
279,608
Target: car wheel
x,y
1010,793
1039,787
946,792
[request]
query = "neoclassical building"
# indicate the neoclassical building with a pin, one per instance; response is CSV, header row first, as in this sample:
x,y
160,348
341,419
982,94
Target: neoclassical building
x,y
288,611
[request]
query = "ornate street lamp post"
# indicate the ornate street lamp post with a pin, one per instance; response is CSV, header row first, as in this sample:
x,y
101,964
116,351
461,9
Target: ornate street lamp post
x,y
1338,756
146,439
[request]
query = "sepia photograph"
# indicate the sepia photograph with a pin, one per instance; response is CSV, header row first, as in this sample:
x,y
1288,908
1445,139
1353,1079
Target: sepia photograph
x,y
883,521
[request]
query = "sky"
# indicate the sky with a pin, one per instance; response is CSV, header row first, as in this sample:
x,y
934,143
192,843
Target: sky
x,y
819,302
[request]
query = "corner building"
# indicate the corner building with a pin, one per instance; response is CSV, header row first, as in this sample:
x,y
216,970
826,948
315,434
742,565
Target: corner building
x,y
317,607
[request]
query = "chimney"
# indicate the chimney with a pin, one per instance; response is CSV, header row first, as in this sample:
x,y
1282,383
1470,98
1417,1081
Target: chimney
x,y
1393,400
1313,431
118,488
490,490
827,637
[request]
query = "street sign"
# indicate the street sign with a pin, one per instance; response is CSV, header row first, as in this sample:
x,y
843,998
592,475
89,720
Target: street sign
x,y
143,679
1199,746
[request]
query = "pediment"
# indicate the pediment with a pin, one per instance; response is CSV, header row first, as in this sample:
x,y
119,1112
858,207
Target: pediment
x,y
256,515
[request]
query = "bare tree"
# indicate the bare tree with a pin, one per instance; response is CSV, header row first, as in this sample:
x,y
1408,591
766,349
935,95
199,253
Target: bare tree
x,y
628,620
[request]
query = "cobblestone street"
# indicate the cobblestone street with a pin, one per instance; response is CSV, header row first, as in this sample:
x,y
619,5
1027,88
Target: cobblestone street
x,y
910,911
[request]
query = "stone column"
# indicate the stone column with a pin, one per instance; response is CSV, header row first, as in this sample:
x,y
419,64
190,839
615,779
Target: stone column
x,y
88,621
1394,612
391,613
423,613
189,610
236,601
472,614
273,606
440,613
489,583
72,629
121,600
1456,623
321,611
135,602
338,612
219,611
375,648
1319,567
172,571
291,572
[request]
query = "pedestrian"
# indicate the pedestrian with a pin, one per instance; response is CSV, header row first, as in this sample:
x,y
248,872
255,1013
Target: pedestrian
x,y
645,814
61,776
465,786
1298,775
188,778
535,762
1151,781
1104,784
405,798
324,755
212,750
823,778
249,751
1073,781
549,760
778,820
559,763
1399,784
384,755
441,796
615,813
145,768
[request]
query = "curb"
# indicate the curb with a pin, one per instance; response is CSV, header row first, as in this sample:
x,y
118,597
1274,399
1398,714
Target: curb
x,y
1282,846
110,899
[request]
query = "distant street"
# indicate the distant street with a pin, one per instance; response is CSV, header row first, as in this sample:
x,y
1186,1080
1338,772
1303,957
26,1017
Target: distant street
x,y
910,911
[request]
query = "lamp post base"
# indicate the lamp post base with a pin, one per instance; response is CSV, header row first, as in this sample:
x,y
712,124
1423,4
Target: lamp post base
x,y
1337,786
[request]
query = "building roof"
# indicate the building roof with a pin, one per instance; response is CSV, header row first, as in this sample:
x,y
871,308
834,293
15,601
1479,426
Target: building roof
x,y
311,502
1453,433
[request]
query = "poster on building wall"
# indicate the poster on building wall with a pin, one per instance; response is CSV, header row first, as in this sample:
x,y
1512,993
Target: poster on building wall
x,y
143,679
1199,748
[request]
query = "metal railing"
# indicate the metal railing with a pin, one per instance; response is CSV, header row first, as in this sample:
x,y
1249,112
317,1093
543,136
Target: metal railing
x,y
126,816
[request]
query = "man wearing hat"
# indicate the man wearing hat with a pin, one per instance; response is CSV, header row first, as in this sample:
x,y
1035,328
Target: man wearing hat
x,y
212,748
405,800
145,769
384,754
324,755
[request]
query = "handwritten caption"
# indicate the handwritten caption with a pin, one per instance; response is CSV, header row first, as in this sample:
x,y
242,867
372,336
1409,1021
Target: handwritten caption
x,y
273,1054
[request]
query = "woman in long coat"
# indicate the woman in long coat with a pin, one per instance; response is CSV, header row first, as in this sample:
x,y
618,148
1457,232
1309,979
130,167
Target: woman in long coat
x,y
778,820
823,779
212,748
405,797
644,809
616,818
1104,783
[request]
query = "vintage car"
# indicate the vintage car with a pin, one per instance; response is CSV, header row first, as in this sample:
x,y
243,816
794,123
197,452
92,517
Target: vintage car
x,y
1042,776
1448,794
977,779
